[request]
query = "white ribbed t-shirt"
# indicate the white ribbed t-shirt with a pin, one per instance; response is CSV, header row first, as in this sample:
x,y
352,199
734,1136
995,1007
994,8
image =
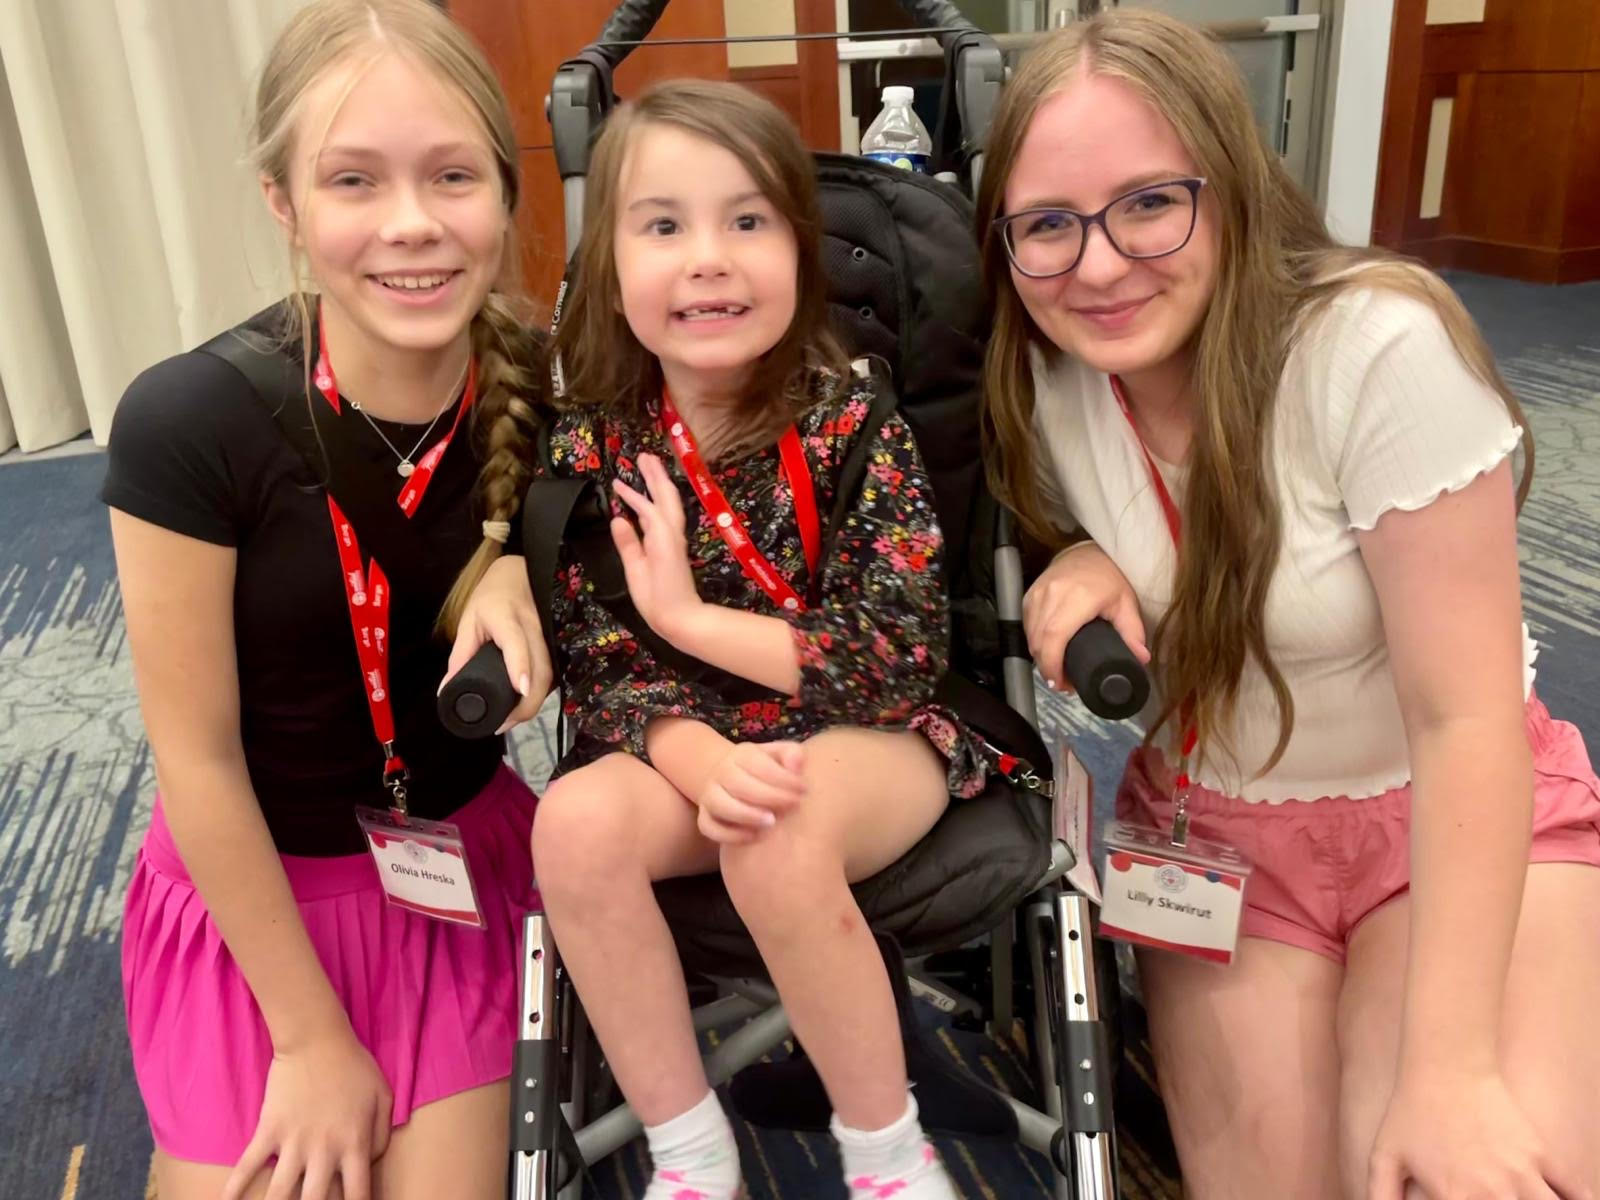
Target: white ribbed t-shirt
x,y
1376,410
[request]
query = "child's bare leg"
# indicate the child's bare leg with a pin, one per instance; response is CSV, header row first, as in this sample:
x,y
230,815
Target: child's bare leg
x,y
871,796
601,836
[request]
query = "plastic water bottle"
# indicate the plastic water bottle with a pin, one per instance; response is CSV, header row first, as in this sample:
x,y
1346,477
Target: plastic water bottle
x,y
898,136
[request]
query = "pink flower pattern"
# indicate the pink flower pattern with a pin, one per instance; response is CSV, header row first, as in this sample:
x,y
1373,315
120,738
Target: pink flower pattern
x,y
870,653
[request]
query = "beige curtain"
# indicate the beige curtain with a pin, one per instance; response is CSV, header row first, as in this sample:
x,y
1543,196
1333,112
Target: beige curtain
x,y
130,227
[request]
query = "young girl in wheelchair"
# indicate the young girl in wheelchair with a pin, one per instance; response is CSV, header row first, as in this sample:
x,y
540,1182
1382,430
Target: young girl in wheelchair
x,y
705,396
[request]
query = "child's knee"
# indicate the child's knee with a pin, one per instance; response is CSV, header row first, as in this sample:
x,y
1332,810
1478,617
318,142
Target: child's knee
x,y
781,871
580,832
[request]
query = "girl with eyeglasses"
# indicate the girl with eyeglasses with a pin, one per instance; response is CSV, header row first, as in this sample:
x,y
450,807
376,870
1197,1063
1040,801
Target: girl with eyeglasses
x,y
1295,461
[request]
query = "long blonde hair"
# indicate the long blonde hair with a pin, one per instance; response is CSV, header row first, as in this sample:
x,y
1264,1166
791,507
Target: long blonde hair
x,y
1277,265
328,33
605,365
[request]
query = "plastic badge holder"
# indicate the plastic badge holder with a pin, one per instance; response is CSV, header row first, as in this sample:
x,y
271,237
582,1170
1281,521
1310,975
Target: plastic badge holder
x,y
1187,899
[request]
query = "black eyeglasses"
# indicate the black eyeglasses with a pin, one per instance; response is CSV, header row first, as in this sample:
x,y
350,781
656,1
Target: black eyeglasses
x,y
1149,222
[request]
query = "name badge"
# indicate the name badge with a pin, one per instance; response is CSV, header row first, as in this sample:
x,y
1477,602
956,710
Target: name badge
x,y
422,865
1186,900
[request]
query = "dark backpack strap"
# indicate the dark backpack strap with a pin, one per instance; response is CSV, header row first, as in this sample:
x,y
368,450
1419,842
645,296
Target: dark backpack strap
x,y
545,512
999,724
313,430
991,716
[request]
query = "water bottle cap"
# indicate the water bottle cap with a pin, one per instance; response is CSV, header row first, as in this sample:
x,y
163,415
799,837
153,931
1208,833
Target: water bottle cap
x,y
898,94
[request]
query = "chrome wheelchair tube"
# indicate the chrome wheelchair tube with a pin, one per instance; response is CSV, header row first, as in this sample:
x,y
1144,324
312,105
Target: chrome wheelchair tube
x,y
1084,1057
738,1050
724,1010
1008,588
1044,1133
572,196
535,1081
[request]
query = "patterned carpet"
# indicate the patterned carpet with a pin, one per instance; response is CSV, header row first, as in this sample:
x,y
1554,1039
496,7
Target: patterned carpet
x,y
75,789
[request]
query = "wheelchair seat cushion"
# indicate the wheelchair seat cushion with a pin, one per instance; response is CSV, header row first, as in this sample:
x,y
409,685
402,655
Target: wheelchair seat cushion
x,y
978,863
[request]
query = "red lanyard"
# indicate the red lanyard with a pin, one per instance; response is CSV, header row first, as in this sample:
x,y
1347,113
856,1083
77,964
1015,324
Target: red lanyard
x,y
1191,734
726,521
417,482
366,592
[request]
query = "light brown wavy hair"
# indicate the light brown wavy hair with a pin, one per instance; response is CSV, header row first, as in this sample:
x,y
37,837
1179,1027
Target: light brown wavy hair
x,y
1277,266
603,364
327,34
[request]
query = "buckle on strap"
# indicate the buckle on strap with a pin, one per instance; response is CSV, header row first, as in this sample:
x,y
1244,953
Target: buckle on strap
x,y
1020,772
396,775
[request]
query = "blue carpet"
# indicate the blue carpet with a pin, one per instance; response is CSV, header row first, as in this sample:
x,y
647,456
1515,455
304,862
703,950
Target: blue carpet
x,y
76,782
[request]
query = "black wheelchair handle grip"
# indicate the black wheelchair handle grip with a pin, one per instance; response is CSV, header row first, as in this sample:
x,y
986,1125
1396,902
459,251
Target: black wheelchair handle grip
x,y
1112,683
630,21
479,697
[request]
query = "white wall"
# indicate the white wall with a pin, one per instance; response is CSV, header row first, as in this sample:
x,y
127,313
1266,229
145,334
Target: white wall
x,y
1356,124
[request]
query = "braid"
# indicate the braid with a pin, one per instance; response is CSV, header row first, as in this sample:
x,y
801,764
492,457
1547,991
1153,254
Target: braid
x,y
510,380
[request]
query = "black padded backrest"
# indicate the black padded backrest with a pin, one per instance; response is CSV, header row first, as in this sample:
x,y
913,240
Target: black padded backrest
x,y
903,285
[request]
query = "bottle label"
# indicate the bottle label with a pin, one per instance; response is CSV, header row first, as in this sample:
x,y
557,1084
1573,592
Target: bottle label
x,y
906,160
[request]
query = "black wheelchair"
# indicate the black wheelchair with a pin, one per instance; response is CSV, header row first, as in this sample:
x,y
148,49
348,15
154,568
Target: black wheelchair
x,y
950,915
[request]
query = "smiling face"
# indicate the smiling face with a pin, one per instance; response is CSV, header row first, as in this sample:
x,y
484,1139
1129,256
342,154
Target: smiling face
x,y
707,267
394,197
1090,143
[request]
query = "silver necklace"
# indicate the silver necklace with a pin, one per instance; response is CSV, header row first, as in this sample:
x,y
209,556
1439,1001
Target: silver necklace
x,y
406,466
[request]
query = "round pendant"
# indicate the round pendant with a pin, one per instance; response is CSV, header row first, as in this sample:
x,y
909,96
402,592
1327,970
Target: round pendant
x,y
405,468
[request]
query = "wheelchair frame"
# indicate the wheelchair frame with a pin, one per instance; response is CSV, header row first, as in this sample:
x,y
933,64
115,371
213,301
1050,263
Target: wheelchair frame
x,y
558,1075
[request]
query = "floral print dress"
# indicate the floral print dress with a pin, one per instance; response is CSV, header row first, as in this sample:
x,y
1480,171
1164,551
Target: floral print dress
x,y
870,653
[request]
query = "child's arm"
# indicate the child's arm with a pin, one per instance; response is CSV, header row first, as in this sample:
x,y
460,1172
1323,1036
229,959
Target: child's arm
x,y
875,647
656,563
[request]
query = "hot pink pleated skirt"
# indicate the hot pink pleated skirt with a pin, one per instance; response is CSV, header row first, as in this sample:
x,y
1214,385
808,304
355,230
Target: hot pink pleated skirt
x,y
434,1003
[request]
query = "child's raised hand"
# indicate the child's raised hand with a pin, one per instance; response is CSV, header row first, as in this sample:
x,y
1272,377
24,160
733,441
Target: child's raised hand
x,y
751,787
655,559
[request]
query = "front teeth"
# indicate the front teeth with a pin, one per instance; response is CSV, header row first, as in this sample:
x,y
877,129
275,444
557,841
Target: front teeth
x,y
413,283
701,314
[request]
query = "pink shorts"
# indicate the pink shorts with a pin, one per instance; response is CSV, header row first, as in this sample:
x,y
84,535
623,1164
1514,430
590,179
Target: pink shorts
x,y
1322,868
435,1004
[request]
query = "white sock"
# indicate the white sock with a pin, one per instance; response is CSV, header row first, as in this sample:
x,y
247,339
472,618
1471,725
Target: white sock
x,y
694,1155
894,1163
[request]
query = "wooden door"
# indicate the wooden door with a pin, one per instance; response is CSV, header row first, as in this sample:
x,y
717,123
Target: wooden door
x,y
1490,158
801,77
525,41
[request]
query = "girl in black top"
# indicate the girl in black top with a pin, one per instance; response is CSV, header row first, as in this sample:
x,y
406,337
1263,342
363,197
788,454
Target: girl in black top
x,y
283,565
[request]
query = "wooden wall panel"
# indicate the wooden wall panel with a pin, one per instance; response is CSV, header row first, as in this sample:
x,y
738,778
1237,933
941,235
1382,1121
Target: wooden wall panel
x,y
1583,194
808,88
540,234
1522,178
526,40
525,43
1399,161
819,75
1510,157
1516,35
779,84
